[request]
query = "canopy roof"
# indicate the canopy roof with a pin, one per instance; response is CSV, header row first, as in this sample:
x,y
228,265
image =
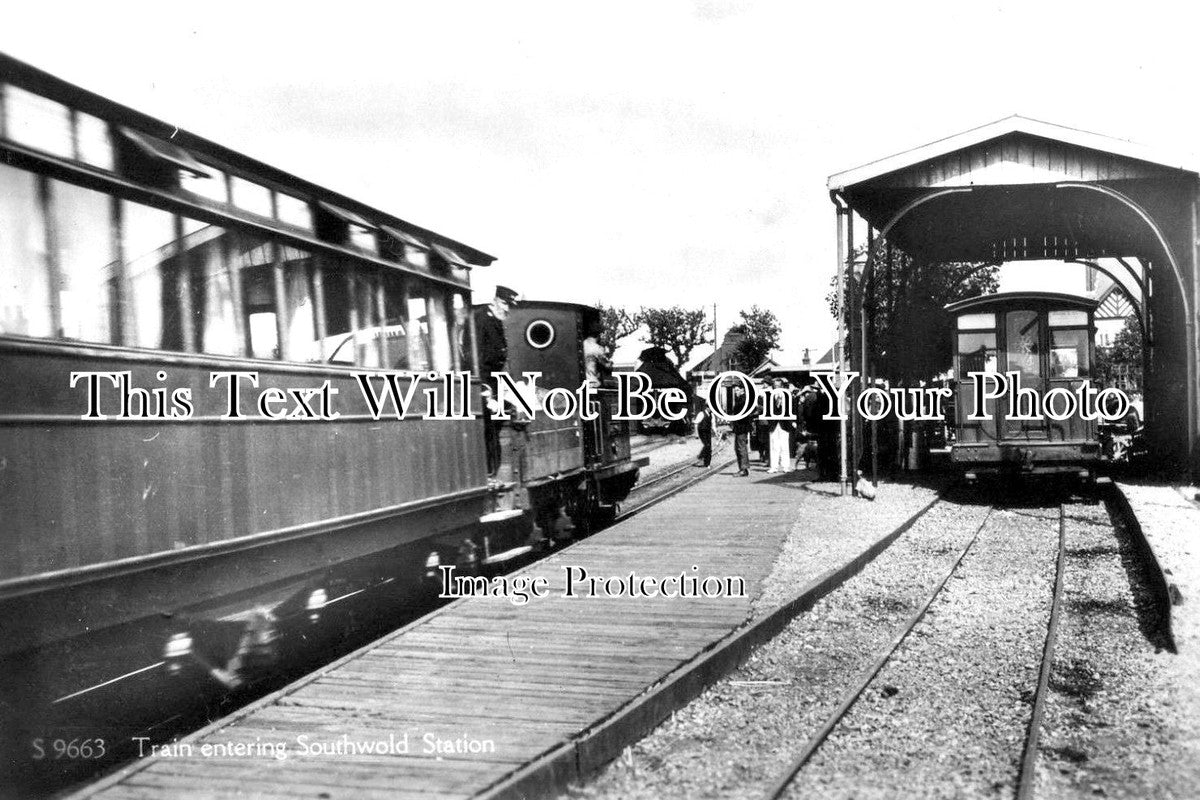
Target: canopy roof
x,y
1009,190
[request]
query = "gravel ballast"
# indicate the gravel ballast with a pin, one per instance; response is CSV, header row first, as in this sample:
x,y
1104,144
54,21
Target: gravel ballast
x,y
947,716
733,739
1118,723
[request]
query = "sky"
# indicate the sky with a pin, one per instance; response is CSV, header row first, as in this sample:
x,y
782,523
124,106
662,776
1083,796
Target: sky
x,y
635,153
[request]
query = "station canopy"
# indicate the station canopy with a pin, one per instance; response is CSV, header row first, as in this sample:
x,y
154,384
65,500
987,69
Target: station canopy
x,y
1019,189
1014,189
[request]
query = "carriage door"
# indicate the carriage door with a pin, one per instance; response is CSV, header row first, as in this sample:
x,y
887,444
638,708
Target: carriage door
x,y
976,341
1070,366
1023,351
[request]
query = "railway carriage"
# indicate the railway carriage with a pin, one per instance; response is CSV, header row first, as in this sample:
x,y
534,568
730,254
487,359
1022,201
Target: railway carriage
x,y
1047,340
134,249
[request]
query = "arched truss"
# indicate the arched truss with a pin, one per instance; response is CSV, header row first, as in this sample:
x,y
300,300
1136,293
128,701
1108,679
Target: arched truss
x,y
1141,309
1108,191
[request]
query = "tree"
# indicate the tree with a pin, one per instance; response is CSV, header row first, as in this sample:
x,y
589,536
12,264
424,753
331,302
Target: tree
x,y
760,328
906,309
1120,363
616,323
677,330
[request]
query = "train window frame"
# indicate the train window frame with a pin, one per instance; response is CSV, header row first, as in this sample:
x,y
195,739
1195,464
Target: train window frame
x,y
403,247
1039,343
93,141
1082,368
197,285
35,113
347,229
213,187
959,354
1067,318
553,335
980,321
293,210
26,270
248,195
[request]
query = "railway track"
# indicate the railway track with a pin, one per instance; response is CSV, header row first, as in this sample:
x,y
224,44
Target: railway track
x,y
787,784
671,483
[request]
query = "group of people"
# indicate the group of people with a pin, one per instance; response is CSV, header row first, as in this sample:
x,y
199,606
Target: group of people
x,y
804,437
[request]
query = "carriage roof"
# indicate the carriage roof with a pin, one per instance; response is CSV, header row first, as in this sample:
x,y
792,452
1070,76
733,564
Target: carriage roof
x,y
1019,298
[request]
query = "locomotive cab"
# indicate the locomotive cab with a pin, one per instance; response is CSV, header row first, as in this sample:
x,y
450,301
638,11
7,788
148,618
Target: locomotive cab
x,y
1042,345
568,473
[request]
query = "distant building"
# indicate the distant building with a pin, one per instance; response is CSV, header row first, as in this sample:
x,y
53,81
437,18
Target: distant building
x,y
724,359
797,370
1113,312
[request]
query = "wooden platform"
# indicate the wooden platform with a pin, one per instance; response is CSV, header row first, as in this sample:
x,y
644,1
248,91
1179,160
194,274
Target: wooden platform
x,y
509,682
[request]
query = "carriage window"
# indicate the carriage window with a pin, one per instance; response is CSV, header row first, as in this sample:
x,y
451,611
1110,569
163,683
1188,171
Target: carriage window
x,y
436,308
972,322
369,339
254,260
206,247
363,238
85,261
1069,354
293,211
355,334
462,332
416,256
299,308
343,227
400,246
976,353
95,147
214,188
339,345
395,322
152,267
1023,334
249,196
38,122
418,331
24,279
1068,318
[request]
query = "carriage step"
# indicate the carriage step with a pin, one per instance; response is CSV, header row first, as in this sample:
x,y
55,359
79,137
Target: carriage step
x,y
508,555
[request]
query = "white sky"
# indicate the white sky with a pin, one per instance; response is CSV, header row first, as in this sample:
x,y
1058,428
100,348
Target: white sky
x,y
639,153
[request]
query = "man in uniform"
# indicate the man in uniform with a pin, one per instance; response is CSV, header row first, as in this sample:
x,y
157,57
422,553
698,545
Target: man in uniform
x,y
493,357
489,327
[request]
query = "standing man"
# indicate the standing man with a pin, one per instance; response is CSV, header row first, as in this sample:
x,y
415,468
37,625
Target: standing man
x,y
493,357
704,429
489,327
741,429
815,407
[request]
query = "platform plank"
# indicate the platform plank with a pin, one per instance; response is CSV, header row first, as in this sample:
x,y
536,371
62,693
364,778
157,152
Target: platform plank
x,y
514,680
